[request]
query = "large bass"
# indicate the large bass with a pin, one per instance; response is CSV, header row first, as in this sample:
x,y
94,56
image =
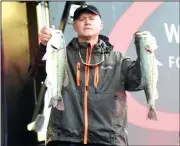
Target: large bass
x,y
56,61
145,46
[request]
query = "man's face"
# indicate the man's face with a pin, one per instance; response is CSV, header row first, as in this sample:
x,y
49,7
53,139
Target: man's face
x,y
88,25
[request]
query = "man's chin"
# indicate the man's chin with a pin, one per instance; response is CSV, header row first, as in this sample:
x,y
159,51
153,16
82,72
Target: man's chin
x,y
88,35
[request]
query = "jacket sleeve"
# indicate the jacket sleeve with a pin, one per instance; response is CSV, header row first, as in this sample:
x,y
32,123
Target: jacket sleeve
x,y
37,66
132,75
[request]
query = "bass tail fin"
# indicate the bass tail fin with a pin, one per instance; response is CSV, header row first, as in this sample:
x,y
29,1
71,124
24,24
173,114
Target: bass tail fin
x,y
152,115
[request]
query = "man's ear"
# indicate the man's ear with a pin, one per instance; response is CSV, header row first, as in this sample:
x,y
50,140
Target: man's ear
x,y
101,26
74,27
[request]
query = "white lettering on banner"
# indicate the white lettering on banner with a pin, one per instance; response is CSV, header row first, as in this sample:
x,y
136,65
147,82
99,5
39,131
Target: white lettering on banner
x,y
173,61
172,32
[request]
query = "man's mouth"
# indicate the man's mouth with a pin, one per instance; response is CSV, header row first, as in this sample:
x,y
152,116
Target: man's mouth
x,y
87,29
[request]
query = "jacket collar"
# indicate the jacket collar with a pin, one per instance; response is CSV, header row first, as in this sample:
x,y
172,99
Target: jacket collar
x,y
103,45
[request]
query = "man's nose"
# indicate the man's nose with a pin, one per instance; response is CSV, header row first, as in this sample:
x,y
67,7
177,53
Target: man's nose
x,y
87,22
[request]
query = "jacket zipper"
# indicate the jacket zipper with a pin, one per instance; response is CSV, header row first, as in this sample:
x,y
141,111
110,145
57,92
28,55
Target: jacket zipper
x,y
87,69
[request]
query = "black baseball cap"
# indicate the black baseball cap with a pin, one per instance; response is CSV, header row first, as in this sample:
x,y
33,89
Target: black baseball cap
x,y
85,8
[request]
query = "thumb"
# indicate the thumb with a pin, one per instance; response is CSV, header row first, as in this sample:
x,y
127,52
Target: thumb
x,y
46,27
52,29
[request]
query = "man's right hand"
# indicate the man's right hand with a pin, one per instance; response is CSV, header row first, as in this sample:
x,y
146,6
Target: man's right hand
x,y
45,35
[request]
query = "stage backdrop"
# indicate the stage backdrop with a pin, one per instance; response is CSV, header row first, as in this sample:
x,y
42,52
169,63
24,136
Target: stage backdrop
x,y
121,20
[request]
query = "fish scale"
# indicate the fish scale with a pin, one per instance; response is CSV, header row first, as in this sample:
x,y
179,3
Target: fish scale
x,y
145,45
56,60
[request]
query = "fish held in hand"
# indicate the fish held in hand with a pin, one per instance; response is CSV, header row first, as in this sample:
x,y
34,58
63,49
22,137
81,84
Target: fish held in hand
x,y
56,62
145,46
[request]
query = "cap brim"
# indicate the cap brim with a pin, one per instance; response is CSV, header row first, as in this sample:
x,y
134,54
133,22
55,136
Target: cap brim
x,y
86,9
91,10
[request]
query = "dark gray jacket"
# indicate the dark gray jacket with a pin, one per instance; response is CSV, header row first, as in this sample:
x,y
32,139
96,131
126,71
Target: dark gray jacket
x,y
106,103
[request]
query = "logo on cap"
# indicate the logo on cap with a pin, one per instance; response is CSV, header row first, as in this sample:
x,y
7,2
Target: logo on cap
x,y
84,6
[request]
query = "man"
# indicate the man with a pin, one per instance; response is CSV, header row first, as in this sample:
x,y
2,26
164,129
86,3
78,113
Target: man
x,y
95,99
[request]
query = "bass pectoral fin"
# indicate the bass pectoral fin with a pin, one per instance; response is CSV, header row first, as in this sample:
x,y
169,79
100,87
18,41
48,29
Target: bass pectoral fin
x,y
158,63
142,82
156,96
45,56
57,103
